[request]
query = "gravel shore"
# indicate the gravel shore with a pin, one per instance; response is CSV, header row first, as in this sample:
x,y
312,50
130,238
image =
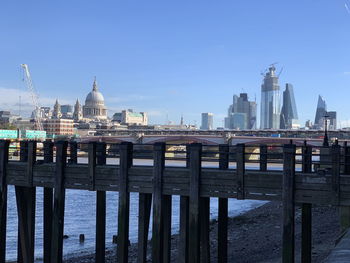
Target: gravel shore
x,y
256,236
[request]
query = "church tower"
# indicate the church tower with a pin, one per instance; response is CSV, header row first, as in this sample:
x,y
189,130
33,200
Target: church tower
x,y
56,114
78,111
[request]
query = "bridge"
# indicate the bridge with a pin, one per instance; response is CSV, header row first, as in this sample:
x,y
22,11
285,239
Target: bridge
x,y
301,133
204,139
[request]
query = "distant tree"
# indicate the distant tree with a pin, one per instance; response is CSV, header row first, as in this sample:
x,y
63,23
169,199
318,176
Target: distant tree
x,y
7,126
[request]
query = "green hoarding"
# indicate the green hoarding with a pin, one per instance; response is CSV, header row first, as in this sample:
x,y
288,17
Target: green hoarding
x,y
31,134
8,134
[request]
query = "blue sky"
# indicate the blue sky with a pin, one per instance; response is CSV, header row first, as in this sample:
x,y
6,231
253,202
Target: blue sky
x,y
176,57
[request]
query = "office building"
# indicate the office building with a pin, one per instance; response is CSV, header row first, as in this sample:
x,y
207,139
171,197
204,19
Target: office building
x,y
129,117
241,114
289,114
43,113
67,111
321,111
5,117
55,127
332,120
270,101
207,121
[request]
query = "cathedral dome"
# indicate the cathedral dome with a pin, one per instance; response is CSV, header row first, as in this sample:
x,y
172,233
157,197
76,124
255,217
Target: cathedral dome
x,y
94,97
94,107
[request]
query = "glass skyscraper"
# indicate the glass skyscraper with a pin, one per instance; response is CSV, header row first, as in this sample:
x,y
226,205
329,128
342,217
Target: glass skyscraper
x,y
289,114
270,101
207,121
241,114
321,111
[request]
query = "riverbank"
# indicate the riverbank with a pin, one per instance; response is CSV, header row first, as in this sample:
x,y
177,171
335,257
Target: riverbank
x,y
255,236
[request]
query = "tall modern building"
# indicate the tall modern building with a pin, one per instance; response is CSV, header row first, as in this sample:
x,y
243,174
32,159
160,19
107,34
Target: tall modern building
x,y
270,101
289,114
207,121
241,114
67,111
44,113
321,111
332,120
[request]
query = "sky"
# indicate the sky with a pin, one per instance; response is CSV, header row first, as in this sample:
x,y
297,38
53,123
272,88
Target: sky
x,y
173,58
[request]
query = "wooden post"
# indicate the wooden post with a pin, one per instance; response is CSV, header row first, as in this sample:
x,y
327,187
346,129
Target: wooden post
x,y
288,203
240,170
335,153
166,203
204,215
263,157
345,210
195,173
23,157
59,203
306,210
158,217
48,205
73,152
223,208
346,159
4,151
92,164
184,216
100,208
124,202
23,153
25,197
145,203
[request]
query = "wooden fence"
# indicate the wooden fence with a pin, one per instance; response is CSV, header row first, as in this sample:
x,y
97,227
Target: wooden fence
x,y
156,185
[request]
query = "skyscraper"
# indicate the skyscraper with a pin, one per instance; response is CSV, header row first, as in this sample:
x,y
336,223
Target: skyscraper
x,y
270,101
207,121
289,114
321,111
67,111
241,114
332,120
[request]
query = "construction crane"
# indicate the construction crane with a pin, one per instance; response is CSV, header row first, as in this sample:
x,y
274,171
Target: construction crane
x,y
35,98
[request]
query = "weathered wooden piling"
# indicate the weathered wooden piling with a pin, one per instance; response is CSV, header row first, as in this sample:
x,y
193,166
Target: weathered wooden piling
x,y
26,200
48,205
4,149
158,205
100,207
124,202
306,210
184,217
288,203
59,203
194,197
223,208
194,183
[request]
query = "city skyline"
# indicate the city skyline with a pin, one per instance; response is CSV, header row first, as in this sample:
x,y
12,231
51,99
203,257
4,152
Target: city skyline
x,y
143,62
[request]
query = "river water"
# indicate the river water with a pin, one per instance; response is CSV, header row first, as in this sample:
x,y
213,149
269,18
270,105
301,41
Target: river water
x,y
80,218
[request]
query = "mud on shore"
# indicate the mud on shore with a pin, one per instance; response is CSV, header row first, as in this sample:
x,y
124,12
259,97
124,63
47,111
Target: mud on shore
x,y
255,237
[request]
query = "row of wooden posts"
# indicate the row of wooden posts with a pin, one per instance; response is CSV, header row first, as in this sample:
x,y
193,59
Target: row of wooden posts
x,y
194,244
